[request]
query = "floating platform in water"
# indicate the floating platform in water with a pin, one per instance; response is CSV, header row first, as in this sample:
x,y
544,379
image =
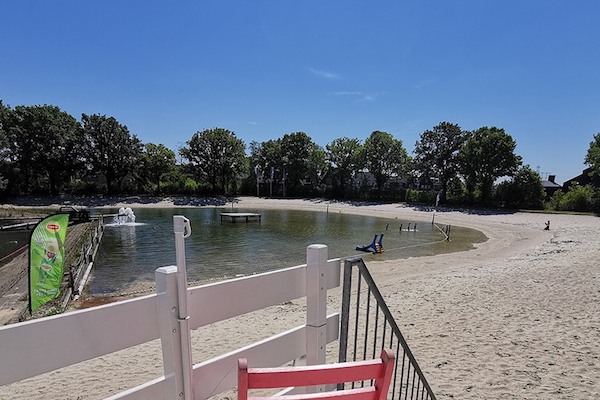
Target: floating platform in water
x,y
234,217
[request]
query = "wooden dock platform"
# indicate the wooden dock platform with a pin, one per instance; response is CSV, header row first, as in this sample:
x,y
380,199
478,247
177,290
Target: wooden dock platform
x,y
234,217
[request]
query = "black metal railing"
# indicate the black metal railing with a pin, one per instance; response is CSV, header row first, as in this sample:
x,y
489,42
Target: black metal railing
x,y
367,326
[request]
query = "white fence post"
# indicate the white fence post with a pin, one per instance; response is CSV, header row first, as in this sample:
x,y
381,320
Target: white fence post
x,y
316,305
171,287
168,323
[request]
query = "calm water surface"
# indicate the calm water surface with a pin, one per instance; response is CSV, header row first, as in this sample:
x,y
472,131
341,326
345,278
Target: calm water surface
x,y
13,240
131,253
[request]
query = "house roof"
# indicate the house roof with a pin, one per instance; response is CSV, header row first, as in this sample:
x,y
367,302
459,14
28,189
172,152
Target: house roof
x,y
584,179
550,184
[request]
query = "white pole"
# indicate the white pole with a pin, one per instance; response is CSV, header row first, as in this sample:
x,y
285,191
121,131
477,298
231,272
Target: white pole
x,y
183,230
168,322
316,306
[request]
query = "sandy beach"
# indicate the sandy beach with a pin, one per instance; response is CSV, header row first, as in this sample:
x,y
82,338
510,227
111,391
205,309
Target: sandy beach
x,y
518,317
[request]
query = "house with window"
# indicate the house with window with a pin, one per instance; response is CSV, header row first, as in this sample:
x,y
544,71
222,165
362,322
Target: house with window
x,y
550,185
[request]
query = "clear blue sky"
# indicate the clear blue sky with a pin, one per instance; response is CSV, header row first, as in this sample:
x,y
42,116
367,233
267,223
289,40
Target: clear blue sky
x,y
327,68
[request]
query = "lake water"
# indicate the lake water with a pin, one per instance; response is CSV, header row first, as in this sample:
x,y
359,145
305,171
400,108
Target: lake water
x,y
131,253
12,240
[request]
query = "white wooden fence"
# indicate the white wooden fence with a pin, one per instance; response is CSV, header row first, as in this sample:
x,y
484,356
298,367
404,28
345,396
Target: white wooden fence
x,y
86,334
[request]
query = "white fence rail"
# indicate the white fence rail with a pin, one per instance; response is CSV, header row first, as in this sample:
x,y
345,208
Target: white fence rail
x,y
86,334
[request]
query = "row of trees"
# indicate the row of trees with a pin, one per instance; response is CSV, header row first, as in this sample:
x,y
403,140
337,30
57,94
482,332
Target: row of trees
x,y
44,150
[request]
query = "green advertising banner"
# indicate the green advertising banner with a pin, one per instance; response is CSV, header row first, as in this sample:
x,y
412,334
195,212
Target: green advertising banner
x,y
46,259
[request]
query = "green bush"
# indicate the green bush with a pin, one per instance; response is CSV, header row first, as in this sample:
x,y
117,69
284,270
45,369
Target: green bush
x,y
578,198
84,187
553,202
420,196
190,186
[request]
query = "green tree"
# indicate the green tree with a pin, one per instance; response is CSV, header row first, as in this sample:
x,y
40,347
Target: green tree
x,y
43,148
384,157
267,156
255,160
4,152
437,153
343,157
158,161
317,166
4,118
523,190
592,158
217,156
296,153
111,150
486,155
263,157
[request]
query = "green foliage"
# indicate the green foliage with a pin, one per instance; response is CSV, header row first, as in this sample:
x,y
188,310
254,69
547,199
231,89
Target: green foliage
x,y
577,198
111,151
297,150
190,186
294,165
317,167
43,149
426,197
437,153
457,193
384,157
592,158
343,158
174,182
158,161
216,156
524,190
80,186
265,161
4,151
553,203
486,155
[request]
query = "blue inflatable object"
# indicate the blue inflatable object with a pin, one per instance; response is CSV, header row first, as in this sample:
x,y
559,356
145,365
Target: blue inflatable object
x,y
375,247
